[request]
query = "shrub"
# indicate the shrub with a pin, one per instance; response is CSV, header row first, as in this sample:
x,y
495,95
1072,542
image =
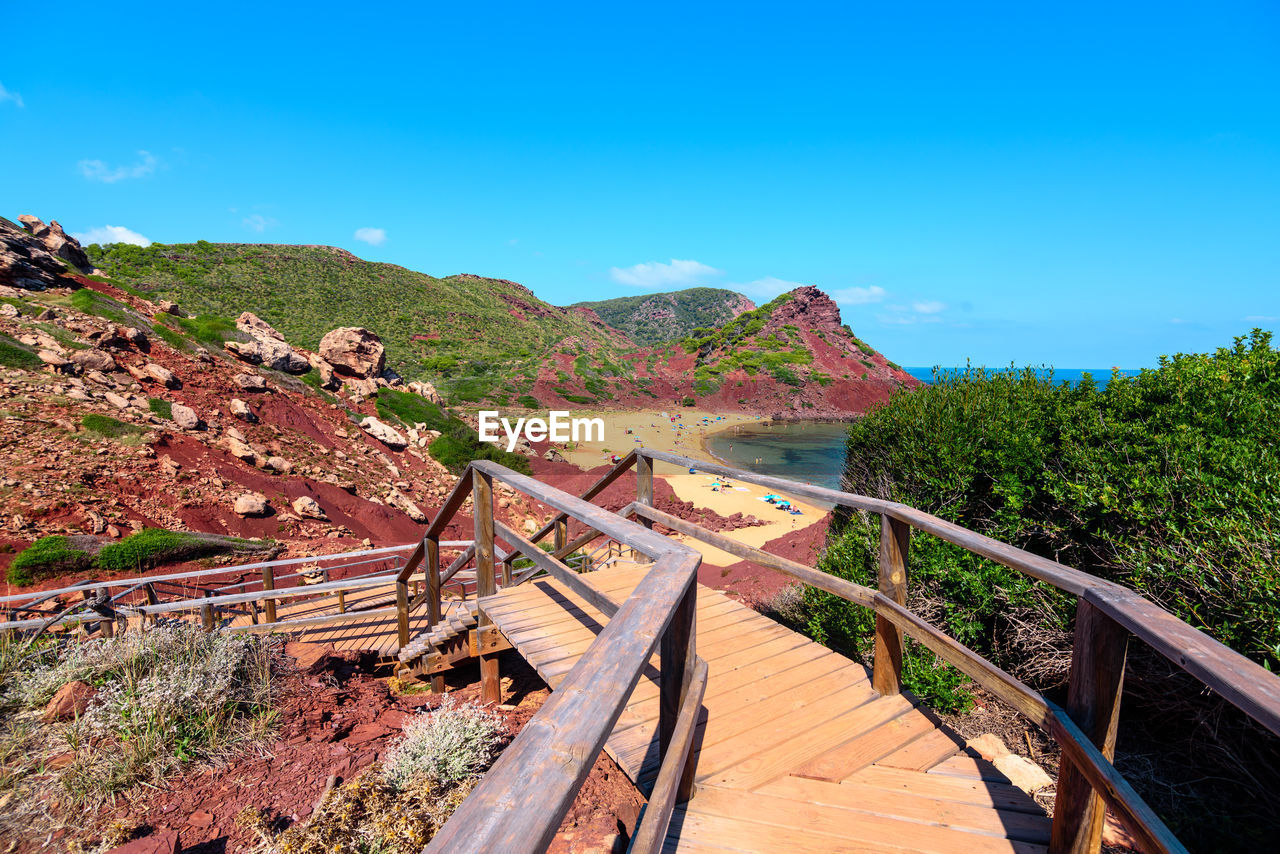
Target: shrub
x,y
14,355
109,427
153,546
208,328
161,407
91,302
45,557
528,401
409,409
688,401
446,746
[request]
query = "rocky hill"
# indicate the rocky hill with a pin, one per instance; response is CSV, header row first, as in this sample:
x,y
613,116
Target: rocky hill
x,y
491,342
660,318
118,414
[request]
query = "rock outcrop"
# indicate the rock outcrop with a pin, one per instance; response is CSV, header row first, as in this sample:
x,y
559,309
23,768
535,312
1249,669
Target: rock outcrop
x,y
270,353
384,433
57,241
254,326
354,351
25,262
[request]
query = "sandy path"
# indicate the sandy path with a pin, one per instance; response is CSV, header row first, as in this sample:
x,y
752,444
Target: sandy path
x,y
686,437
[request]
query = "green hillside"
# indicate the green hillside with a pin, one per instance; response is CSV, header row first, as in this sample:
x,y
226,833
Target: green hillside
x,y
476,338
658,318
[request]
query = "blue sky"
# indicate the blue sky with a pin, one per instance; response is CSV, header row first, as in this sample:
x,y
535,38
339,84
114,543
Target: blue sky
x,y
1081,185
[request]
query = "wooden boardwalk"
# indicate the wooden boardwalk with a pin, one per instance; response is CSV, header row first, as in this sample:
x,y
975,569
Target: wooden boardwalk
x,y
376,633
795,750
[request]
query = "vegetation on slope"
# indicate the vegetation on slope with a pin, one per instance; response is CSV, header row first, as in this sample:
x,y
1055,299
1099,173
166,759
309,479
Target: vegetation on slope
x,y
457,445
146,549
475,338
1164,482
658,318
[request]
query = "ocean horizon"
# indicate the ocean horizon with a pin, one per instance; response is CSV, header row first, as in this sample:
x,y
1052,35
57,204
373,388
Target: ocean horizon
x,y
1074,376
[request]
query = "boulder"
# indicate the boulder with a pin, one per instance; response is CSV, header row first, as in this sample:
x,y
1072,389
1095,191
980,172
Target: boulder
x,y
52,359
94,360
327,378
362,388
270,353
251,382
71,701
170,307
384,433
133,335
239,449
554,455
251,504
116,400
8,309
400,501
354,351
251,324
58,242
241,410
186,418
162,375
278,464
308,508
426,390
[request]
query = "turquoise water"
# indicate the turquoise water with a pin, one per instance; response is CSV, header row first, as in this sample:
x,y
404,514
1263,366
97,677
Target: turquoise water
x,y
1101,376
807,451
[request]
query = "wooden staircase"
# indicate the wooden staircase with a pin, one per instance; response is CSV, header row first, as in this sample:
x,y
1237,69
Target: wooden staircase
x,y
445,644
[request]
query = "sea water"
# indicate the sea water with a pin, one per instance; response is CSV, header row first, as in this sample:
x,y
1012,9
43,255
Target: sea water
x,y
807,451
1074,376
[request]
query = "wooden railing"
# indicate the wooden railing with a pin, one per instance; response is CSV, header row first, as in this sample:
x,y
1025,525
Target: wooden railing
x,y
1106,615
522,799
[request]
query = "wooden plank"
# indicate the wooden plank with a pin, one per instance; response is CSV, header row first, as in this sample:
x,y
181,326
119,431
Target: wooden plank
x,y
907,804
862,750
755,811
774,759
925,752
965,790
969,765
1093,701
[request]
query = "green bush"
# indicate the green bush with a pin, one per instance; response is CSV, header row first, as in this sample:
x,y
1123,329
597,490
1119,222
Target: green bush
x,y
14,355
409,409
528,401
208,329
160,407
688,401
47,556
153,546
1164,483
109,427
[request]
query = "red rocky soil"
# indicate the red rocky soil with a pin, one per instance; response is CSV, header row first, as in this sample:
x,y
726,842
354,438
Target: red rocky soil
x,y
338,718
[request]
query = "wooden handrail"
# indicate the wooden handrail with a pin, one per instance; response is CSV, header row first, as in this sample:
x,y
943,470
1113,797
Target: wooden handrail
x,y
1249,686
521,801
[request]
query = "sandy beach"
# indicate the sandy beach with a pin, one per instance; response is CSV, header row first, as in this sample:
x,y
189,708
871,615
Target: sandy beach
x,y
686,435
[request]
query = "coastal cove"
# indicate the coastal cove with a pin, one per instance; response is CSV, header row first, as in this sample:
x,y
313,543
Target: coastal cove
x,y
806,451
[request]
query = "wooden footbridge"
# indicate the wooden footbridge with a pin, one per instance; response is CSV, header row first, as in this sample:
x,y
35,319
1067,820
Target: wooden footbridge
x,y
744,736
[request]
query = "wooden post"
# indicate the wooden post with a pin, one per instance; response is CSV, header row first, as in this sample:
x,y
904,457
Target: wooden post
x,y
561,534
482,501
506,569
1093,702
152,599
644,485
269,583
895,543
433,597
206,614
675,673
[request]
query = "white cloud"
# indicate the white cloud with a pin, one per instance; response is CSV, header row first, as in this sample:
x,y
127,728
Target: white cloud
x,y
764,289
1261,318
372,236
656,274
859,296
6,95
96,170
111,234
259,223
927,306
